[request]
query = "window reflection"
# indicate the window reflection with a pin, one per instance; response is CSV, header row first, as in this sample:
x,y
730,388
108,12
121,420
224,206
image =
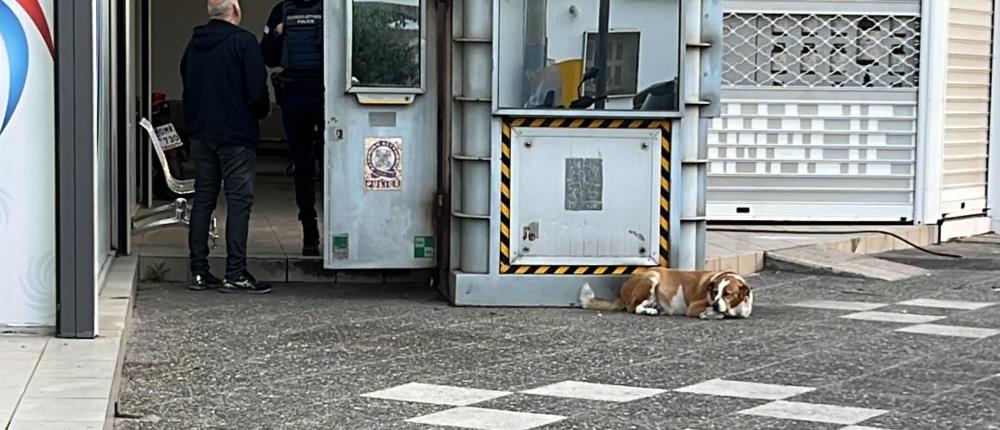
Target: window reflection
x,y
551,55
385,49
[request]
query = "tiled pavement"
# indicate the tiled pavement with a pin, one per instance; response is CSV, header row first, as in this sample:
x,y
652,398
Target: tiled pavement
x,y
915,323
820,352
495,419
780,399
63,384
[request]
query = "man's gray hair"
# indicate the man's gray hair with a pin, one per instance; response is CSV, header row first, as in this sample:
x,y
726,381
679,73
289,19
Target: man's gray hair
x,y
220,9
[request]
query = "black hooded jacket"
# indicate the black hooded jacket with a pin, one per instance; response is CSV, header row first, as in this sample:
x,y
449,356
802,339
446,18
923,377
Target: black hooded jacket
x,y
225,85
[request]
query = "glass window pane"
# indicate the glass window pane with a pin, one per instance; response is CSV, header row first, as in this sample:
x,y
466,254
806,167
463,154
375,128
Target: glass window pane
x,y
386,43
550,55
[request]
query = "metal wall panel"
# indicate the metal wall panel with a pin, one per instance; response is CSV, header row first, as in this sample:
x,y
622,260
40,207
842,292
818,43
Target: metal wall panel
x,y
966,137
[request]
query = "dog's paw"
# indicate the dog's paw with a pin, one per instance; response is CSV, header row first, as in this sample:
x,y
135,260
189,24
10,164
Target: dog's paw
x,y
586,295
648,311
709,314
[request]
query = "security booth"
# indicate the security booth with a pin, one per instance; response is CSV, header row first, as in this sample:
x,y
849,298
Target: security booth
x,y
521,147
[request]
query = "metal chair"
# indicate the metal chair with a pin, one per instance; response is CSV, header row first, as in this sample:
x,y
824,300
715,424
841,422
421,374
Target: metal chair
x,y
180,207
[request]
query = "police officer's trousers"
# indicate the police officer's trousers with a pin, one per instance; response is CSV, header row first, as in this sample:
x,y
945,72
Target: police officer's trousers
x,y
302,115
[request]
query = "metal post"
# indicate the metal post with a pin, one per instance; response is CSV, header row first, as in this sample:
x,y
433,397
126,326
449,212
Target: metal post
x,y
993,169
75,264
601,57
442,215
701,41
474,150
931,108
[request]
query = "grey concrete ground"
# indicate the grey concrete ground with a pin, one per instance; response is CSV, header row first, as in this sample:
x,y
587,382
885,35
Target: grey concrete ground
x,y
303,357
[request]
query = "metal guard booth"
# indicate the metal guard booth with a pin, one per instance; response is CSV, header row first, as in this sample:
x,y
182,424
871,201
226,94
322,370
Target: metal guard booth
x,y
520,147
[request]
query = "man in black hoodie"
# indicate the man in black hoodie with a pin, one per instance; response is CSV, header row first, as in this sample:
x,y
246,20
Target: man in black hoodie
x,y
225,95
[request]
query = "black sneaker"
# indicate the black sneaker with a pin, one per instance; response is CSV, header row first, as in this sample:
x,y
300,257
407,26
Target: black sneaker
x,y
310,238
245,283
204,281
310,249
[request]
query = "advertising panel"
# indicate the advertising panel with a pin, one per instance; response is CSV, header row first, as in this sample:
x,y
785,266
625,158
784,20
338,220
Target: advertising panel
x,y
27,162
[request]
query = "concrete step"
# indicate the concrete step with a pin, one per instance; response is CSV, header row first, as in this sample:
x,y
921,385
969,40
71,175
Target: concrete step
x,y
746,252
173,269
814,259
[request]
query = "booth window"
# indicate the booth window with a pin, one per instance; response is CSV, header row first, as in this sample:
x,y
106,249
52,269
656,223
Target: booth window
x,y
622,60
603,55
386,49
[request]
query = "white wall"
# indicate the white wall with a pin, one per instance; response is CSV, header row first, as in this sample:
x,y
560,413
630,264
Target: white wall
x,y
27,182
173,22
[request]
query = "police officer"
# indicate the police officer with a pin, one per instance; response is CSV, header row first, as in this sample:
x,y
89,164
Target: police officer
x,y
293,40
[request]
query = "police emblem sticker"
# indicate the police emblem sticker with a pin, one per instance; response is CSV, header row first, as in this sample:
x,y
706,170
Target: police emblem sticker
x,y
383,164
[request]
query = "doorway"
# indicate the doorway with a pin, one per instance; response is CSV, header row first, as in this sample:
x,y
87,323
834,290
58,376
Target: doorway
x,y
275,231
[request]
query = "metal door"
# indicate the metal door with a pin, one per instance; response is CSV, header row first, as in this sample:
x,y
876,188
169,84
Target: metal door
x,y
380,195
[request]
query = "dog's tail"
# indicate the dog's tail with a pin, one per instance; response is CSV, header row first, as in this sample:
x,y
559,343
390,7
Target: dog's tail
x,y
588,301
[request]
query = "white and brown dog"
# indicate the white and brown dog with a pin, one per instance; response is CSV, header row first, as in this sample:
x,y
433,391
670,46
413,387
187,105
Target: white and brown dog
x,y
697,294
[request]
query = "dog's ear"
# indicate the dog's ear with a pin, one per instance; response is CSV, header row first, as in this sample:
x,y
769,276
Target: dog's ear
x,y
712,287
744,291
713,283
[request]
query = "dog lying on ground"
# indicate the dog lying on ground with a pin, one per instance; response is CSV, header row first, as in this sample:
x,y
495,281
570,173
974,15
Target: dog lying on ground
x,y
697,294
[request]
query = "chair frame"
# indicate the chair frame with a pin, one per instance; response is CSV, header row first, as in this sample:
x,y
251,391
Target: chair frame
x,y
180,208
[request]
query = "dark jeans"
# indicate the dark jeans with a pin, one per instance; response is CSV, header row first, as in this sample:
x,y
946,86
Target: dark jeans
x,y
233,166
302,115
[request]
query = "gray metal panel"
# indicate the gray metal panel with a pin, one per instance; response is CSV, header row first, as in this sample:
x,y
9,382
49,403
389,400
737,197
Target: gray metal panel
x,y
75,264
529,290
623,232
711,58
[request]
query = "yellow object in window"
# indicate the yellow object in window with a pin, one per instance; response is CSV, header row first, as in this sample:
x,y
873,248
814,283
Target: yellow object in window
x,y
571,72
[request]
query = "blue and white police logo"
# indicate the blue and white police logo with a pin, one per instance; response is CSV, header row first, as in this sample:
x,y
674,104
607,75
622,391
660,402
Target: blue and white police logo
x,y
383,163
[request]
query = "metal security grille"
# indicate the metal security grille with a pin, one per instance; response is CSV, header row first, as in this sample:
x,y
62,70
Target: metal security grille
x,y
813,50
819,112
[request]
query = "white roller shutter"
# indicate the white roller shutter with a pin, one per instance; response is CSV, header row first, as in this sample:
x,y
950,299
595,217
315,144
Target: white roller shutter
x,y
819,112
966,137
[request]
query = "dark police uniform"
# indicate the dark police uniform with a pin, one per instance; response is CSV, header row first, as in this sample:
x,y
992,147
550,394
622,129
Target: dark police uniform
x,y
298,50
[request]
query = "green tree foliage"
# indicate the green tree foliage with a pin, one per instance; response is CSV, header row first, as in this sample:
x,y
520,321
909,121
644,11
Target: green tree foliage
x,y
385,52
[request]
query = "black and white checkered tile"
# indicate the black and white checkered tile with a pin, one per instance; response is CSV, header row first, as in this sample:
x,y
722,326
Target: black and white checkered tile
x,y
780,403
463,413
911,322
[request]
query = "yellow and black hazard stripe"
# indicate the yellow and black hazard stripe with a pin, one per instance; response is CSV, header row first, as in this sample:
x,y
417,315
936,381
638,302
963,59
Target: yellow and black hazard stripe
x,y
505,192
